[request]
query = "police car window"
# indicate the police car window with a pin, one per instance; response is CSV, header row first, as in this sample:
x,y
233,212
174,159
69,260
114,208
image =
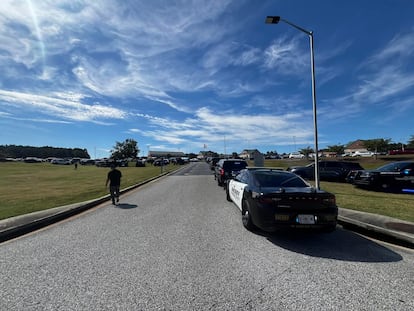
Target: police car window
x,y
392,167
272,179
243,177
235,165
294,181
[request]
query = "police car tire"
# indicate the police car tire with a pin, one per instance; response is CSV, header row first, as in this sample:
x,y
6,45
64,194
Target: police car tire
x,y
246,218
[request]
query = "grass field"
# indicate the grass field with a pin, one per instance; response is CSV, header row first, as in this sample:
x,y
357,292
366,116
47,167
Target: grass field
x,y
29,187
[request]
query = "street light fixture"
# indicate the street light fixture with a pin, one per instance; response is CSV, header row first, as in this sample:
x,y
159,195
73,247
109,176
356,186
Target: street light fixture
x,y
276,20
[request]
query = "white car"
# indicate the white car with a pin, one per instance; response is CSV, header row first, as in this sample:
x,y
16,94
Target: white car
x,y
296,155
60,161
363,154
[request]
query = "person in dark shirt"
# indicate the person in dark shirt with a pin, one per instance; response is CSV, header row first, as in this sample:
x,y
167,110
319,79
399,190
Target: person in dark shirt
x,y
114,181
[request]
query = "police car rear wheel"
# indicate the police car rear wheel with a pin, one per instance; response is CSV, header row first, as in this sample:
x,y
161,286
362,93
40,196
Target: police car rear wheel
x,y
246,218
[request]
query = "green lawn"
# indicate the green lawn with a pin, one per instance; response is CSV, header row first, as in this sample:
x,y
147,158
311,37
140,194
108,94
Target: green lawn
x,y
399,206
30,187
27,187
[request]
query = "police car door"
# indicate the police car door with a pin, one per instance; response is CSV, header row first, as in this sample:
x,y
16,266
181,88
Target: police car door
x,y
237,188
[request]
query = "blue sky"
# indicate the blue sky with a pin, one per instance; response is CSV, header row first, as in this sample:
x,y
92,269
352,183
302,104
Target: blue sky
x,y
181,75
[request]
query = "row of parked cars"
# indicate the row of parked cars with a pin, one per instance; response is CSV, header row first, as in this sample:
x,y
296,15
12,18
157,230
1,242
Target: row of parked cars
x,y
272,198
52,160
392,177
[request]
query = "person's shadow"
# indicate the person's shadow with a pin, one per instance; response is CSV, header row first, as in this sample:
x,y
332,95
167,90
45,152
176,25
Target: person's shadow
x,y
126,206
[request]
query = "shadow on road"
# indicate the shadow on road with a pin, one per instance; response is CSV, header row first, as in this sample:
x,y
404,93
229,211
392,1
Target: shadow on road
x,y
340,245
126,206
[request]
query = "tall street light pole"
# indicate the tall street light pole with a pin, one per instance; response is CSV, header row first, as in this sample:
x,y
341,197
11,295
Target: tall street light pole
x,y
276,20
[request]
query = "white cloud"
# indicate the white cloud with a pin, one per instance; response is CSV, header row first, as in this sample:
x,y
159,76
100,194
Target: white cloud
x,y
286,56
383,81
211,128
401,46
61,108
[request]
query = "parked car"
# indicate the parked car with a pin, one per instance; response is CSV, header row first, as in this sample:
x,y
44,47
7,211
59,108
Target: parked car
x,y
177,161
296,155
273,157
75,160
61,161
365,154
111,162
213,162
227,169
140,163
161,162
272,199
121,163
392,177
103,163
87,162
32,160
328,170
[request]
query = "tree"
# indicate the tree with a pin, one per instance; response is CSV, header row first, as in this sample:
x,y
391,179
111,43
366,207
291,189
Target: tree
x,y
192,155
339,149
410,143
377,145
306,151
13,151
271,153
395,146
125,150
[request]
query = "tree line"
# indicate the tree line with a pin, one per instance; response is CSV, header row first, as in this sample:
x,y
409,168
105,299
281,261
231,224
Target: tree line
x,y
374,145
14,151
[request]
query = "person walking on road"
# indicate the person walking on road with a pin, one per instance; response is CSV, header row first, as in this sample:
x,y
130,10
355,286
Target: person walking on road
x,y
114,181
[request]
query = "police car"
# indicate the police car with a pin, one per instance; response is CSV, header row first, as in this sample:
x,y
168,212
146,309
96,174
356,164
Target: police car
x,y
392,177
271,199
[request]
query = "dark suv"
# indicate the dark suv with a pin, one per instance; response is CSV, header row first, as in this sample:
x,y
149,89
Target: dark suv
x,y
328,170
227,169
213,163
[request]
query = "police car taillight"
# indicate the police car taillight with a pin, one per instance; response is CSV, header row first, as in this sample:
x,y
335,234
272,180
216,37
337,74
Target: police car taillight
x,y
330,200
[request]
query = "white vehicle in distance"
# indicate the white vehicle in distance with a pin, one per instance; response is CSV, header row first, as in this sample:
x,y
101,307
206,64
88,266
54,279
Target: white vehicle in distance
x,y
60,161
366,154
296,155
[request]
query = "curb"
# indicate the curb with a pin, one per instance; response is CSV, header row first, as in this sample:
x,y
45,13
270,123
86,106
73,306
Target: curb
x,y
393,236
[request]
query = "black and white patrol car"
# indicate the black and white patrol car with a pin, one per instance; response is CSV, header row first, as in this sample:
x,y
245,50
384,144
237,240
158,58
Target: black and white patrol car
x,y
392,177
272,199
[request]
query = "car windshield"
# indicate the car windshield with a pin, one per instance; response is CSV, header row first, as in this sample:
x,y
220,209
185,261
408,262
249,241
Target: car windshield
x,y
393,167
276,179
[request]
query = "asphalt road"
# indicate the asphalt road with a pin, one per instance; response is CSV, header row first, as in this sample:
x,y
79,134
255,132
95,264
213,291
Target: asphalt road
x,y
177,244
